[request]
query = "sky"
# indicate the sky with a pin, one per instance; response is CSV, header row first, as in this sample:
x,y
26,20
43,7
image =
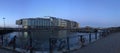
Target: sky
x,y
94,13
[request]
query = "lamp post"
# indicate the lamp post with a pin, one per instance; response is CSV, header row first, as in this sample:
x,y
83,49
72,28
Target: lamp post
x,y
4,21
4,29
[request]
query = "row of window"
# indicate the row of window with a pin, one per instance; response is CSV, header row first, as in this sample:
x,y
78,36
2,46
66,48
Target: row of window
x,y
47,22
37,22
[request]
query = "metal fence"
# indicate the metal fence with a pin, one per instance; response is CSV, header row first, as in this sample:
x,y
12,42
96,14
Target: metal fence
x,y
54,45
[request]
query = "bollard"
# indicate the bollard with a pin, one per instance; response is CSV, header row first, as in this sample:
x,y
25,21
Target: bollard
x,y
90,37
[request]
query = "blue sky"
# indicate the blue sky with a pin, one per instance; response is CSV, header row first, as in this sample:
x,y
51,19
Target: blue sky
x,y
95,13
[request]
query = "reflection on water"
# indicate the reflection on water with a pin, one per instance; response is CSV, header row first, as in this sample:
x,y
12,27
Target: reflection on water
x,y
40,39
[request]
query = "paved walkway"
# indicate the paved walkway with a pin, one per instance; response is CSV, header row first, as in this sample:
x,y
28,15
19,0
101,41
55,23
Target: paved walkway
x,y
3,50
109,44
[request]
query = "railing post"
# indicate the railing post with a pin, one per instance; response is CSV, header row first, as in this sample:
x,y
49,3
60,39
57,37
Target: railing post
x,y
31,48
50,46
100,35
96,34
2,39
82,41
14,42
68,46
89,37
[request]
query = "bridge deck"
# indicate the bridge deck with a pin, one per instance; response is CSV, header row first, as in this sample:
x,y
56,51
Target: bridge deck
x,y
110,44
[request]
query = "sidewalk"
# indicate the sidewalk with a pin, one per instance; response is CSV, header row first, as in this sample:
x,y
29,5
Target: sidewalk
x,y
109,44
4,50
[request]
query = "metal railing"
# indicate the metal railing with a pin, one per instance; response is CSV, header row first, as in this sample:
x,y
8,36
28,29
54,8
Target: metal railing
x,y
66,44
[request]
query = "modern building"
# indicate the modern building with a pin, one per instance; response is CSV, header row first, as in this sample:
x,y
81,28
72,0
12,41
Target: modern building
x,y
34,22
46,22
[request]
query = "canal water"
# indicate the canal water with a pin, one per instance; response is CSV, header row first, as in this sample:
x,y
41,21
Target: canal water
x,y
40,39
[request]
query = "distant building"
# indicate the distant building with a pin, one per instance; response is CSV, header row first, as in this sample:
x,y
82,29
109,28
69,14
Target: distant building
x,y
46,22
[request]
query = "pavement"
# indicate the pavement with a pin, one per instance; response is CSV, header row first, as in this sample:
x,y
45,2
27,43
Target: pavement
x,y
109,44
5,50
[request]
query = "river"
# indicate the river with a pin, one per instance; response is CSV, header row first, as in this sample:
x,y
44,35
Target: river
x,y
40,39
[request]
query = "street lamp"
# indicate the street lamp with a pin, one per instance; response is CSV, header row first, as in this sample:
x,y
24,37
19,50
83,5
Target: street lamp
x,y
4,21
4,29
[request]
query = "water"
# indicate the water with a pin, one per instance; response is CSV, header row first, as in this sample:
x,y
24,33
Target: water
x,y
40,39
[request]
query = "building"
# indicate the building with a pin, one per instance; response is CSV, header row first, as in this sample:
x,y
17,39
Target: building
x,y
33,22
46,22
